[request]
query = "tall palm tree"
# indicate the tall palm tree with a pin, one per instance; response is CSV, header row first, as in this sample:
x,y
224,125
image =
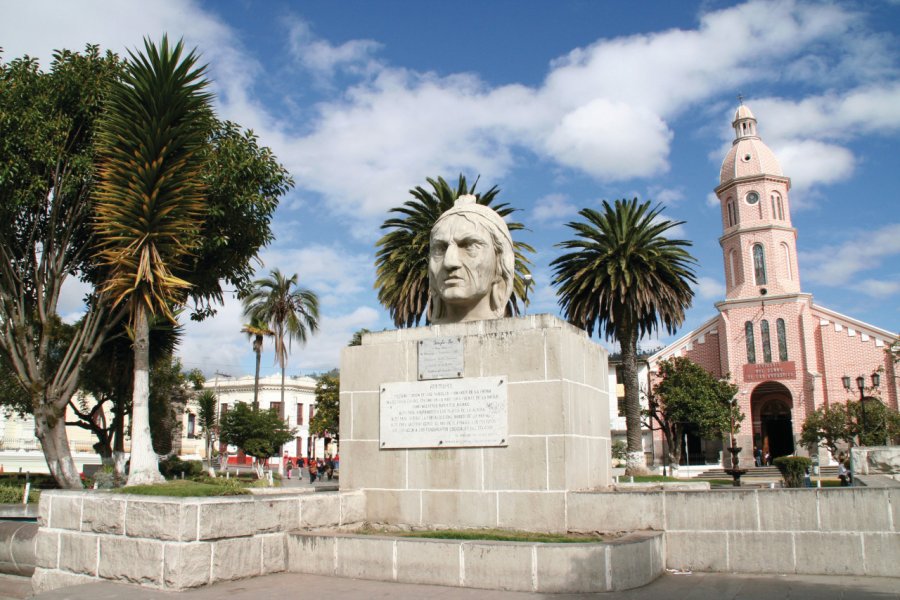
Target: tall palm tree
x,y
257,329
402,258
625,277
148,205
291,312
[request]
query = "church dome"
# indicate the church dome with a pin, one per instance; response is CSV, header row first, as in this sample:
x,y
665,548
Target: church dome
x,y
748,155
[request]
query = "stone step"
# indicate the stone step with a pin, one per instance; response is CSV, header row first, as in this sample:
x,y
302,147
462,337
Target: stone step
x,y
760,473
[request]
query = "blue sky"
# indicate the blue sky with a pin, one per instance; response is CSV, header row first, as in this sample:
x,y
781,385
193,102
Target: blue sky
x,y
561,104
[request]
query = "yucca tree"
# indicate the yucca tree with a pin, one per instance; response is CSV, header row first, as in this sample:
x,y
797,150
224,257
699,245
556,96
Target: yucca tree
x,y
625,277
149,203
291,312
402,258
257,330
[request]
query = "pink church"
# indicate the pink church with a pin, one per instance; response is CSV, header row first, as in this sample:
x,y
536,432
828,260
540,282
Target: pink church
x,y
787,354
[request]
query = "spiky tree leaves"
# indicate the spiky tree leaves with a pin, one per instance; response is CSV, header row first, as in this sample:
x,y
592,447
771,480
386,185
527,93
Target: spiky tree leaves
x,y
402,257
625,277
257,330
291,312
150,203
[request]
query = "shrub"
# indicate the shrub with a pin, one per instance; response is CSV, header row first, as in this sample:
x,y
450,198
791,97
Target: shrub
x,y
174,468
13,495
793,469
106,479
619,450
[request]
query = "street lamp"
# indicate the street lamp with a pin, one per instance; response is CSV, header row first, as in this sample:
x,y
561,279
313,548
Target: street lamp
x,y
861,385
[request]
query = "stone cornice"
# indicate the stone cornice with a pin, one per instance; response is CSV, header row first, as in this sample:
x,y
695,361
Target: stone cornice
x,y
799,298
755,228
748,178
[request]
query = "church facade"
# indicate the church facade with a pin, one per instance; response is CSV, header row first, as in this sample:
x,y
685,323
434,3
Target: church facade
x,y
787,355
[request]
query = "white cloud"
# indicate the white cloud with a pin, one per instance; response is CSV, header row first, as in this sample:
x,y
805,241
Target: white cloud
x,y
708,288
323,58
712,200
70,305
665,196
838,265
553,209
323,352
611,140
878,288
811,163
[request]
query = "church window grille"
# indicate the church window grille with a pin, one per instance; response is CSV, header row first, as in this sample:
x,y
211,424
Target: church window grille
x,y
766,343
759,264
782,340
751,344
732,214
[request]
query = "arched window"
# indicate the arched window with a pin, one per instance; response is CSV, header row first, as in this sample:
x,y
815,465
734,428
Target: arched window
x,y
780,205
766,344
782,340
759,264
751,345
731,270
786,252
732,213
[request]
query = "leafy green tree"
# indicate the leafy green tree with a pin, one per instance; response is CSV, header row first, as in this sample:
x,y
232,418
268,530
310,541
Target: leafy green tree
x,y
326,421
257,330
402,258
626,278
47,125
259,433
291,312
207,420
148,204
835,425
686,394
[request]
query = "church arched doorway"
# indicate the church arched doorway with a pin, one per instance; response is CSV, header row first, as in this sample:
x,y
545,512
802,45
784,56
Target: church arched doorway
x,y
773,428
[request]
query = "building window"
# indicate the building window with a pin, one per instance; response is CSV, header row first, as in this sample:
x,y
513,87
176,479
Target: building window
x,y
751,345
787,260
759,264
311,412
276,407
299,413
223,409
732,214
731,268
766,343
192,425
782,340
620,401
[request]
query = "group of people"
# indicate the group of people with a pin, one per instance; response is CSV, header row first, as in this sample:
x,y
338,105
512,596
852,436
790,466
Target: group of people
x,y
317,468
761,459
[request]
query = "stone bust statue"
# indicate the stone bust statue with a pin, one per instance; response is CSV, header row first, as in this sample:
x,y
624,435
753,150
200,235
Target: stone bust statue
x,y
471,264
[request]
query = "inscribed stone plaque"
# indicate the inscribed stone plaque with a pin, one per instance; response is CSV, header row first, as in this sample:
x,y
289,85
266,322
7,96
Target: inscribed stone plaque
x,y
441,358
444,413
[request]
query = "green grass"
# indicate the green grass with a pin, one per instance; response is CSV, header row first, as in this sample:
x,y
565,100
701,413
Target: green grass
x,y
186,488
497,535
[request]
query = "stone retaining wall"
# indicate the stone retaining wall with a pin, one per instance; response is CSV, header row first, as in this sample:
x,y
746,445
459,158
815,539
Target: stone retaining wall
x,y
174,543
853,531
627,562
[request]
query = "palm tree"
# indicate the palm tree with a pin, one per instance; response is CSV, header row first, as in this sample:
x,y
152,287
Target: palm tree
x,y
256,330
207,404
291,313
402,258
625,277
148,205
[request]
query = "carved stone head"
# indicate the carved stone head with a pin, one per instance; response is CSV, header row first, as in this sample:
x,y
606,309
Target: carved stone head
x,y
471,264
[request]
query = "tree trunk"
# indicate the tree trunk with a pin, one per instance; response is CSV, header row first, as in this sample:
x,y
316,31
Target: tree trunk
x,y
256,384
144,462
50,429
635,463
280,450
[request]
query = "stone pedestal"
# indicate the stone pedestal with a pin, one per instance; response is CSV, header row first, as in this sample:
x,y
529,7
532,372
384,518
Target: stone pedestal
x,y
558,427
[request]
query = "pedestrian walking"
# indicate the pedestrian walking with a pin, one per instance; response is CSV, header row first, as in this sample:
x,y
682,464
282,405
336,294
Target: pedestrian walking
x,y
313,471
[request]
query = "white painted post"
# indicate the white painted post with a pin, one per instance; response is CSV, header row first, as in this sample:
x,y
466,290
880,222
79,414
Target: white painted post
x,y
27,491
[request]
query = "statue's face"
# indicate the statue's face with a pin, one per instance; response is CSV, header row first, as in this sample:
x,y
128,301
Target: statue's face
x,y
463,264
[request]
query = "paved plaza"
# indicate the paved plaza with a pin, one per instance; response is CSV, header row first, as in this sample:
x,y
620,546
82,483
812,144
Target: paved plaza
x,y
694,586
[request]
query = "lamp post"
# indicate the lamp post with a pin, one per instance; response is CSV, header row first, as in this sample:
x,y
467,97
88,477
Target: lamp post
x,y
861,385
